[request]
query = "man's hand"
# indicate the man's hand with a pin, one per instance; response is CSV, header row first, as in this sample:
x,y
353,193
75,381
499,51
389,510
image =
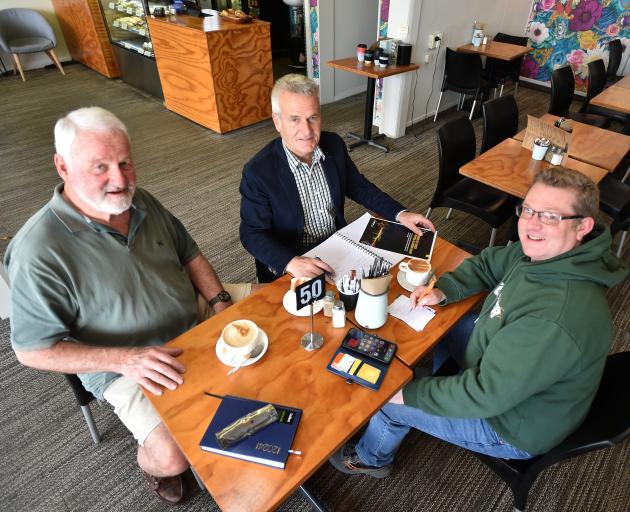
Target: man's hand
x,y
412,220
153,368
300,266
435,296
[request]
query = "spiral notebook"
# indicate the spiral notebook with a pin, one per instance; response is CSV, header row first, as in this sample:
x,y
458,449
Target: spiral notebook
x,y
344,253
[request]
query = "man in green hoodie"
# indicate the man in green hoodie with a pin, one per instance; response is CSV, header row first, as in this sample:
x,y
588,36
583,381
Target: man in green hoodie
x,y
531,362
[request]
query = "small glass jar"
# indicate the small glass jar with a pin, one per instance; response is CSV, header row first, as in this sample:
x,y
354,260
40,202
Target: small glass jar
x,y
329,302
338,315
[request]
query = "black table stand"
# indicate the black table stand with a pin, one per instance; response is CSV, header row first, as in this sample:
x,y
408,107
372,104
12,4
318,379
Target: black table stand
x,y
367,123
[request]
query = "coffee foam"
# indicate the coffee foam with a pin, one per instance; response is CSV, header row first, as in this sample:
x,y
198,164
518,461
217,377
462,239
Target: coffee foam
x,y
419,266
239,334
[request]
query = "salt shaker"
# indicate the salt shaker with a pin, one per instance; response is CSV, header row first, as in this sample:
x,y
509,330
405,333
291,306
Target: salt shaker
x,y
329,301
338,315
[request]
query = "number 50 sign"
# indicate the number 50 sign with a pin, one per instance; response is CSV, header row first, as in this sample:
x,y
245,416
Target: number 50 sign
x,y
309,292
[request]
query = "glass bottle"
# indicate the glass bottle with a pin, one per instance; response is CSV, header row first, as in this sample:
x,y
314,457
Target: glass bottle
x,y
338,315
329,301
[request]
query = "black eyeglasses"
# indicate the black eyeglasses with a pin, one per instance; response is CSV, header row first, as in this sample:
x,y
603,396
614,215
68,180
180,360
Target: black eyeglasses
x,y
548,218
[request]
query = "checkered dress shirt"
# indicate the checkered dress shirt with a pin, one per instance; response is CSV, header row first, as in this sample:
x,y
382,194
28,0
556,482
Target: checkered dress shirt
x,y
319,211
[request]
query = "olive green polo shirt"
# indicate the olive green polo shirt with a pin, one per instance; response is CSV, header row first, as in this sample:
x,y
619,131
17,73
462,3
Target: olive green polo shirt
x,y
73,278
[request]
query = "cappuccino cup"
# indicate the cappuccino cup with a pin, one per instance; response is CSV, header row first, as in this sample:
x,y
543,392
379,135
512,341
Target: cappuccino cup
x,y
240,338
416,271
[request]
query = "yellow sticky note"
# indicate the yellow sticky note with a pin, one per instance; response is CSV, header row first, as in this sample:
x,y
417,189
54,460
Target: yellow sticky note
x,y
369,373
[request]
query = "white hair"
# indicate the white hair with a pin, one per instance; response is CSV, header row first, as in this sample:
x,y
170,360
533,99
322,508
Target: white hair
x,y
89,119
293,83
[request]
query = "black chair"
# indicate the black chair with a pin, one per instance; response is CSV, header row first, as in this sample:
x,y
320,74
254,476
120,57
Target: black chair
x,y
615,49
500,121
596,83
462,74
607,424
457,145
500,71
84,397
614,200
562,89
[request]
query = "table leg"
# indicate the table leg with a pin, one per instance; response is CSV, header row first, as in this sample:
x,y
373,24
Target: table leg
x,y
367,123
315,503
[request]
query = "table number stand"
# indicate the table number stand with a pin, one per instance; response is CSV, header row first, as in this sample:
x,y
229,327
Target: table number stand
x,y
305,295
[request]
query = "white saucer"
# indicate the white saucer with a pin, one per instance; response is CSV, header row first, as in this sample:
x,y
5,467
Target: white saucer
x,y
225,358
402,281
288,301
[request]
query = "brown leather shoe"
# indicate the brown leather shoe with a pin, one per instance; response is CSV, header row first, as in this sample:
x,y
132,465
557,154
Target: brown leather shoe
x,y
169,489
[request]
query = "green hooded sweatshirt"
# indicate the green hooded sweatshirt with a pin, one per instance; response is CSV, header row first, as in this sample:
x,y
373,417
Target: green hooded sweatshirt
x,y
536,355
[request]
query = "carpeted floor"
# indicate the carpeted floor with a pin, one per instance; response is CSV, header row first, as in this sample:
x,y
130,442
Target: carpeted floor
x,y
47,459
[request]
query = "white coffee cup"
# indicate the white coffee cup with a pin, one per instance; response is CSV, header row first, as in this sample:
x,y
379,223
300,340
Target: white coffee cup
x,y
539,150
240,337
417,271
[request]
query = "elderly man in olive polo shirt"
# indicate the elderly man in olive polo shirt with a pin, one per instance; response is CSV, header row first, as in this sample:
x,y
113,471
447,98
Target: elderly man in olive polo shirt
x,y
101,277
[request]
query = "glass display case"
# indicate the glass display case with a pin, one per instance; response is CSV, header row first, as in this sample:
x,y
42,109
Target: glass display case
x,y
129,34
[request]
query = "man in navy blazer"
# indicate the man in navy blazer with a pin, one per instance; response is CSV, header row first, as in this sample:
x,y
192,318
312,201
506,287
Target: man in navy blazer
x,y
293,190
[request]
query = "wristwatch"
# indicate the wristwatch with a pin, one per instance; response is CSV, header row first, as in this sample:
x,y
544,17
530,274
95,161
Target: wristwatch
x,y
222,296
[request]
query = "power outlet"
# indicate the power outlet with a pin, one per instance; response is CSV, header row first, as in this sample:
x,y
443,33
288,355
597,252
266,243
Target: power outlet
x,y
435,40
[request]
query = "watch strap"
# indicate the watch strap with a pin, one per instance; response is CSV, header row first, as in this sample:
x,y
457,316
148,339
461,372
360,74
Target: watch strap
x,y
222,296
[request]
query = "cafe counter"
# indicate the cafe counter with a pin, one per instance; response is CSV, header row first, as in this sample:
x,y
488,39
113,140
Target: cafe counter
x,y
214,72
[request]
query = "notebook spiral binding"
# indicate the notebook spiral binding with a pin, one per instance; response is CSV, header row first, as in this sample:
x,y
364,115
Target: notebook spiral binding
x,y
362,247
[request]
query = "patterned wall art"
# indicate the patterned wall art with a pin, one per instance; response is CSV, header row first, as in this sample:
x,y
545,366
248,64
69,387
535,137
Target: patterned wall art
x,y
573,32
313,17
383,23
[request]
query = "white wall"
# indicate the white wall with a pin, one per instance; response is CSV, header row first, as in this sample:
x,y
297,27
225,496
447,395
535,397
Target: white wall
x,y
454,18
37,60
342,25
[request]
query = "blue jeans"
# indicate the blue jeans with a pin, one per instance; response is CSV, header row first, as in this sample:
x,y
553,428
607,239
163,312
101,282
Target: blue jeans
x,y
387,429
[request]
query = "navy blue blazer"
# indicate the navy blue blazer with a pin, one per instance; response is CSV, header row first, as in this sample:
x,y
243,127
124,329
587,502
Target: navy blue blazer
x,y
272,218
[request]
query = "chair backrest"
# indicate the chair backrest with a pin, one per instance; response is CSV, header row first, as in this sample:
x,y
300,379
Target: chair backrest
x,y
500,121
456,146
614,58
608,420
21,23
596,81
507,68
562,88
462,70
622,221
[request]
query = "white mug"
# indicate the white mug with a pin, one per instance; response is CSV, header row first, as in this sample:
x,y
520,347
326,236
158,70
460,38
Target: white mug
x,y
416,271
539,152
239,338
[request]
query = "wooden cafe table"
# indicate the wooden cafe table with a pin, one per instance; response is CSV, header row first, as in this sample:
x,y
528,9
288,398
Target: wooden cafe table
x,y
287,374
616,97
496,50
372,72
593,145
509,167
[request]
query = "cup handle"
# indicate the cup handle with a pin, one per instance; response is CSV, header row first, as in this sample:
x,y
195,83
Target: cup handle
x,y
403,265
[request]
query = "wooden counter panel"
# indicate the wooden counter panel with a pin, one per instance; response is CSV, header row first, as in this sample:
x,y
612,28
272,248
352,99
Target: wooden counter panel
x,y
185,72
86,36
243,76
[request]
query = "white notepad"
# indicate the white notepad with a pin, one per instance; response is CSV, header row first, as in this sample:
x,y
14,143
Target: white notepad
x,y
417,318
343,252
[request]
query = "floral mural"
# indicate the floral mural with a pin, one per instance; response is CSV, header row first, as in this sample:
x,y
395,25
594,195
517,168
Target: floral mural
x,y
314,23
573,32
